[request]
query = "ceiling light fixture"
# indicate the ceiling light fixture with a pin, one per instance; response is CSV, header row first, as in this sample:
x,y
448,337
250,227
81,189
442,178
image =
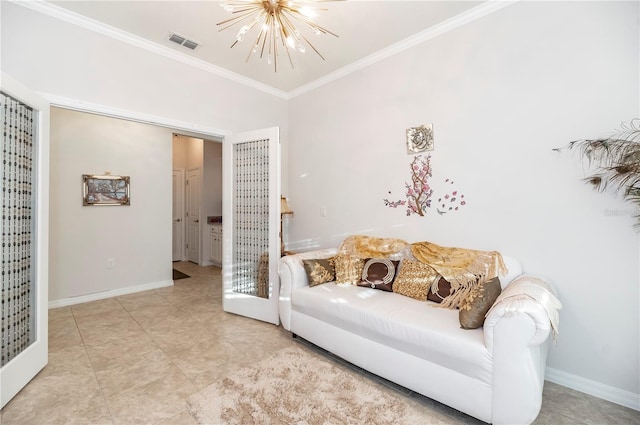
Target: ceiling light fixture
x,y
276,21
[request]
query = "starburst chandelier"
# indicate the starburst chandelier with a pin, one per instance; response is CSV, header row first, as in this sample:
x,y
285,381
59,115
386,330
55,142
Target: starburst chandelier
x,y
276,21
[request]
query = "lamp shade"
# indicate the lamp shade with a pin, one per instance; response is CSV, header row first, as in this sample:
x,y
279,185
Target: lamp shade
x,y
284,206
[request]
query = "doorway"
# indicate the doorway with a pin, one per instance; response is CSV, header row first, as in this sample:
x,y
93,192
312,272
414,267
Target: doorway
x,y
200,161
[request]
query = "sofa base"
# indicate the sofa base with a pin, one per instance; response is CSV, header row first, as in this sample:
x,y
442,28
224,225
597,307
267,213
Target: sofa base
x,y
468,395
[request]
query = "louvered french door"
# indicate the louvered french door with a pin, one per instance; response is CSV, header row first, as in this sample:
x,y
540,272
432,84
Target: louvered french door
x,y
251,239
24,170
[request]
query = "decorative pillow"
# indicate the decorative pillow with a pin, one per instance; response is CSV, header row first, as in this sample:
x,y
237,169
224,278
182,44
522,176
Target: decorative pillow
x,y
348,269
379,273
476,305
319,271
439,290
414,279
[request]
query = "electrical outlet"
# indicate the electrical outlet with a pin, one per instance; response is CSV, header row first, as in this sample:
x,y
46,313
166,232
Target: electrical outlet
x,y
111,263
323,210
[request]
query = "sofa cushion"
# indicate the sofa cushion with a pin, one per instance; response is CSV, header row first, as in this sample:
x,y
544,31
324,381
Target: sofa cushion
x,y
476,305
421,329
414,279
319,271
379,273
348,269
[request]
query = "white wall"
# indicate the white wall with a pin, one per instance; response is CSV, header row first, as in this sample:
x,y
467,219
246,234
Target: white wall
x,y
212,179
52,56
179,153
501,92
82,238
211,192
59,59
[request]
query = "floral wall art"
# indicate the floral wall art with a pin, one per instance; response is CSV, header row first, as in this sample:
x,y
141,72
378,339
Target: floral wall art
x,y
420,195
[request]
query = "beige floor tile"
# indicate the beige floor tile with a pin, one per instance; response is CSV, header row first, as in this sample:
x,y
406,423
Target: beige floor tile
x,y
183,296
254,346
140,300
156,401
107,325
210,317
203,379
183,418
58,399
103,334
115,352
60,312
152,313
68,361
559,401
63,333
548,417
109,305
131,373
205,360
175,339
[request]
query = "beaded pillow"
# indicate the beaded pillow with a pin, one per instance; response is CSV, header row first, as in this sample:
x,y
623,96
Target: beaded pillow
x,y
414,279
379,273
348,269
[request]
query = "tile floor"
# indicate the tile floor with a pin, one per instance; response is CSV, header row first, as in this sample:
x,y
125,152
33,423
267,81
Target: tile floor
x,y
135,359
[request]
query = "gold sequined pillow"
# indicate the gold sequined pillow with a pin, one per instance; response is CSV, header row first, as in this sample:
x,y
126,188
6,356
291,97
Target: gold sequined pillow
x,y
414,279
348,269
319,271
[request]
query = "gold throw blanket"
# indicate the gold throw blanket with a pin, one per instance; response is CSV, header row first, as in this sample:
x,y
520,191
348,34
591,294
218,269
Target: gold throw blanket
x,y
462,268
371,246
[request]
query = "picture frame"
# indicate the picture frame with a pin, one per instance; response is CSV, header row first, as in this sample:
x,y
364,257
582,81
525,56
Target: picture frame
x,y
420,139
105,190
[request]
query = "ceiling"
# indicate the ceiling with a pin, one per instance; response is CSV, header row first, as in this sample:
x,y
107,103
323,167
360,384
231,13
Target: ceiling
x,y
364,29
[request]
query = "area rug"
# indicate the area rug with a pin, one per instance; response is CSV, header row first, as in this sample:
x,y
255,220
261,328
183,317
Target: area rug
x,y
297,386
177,274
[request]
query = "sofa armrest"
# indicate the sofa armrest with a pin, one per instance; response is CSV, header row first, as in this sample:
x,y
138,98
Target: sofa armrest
x,y
530,295
520,306
517,333
292,275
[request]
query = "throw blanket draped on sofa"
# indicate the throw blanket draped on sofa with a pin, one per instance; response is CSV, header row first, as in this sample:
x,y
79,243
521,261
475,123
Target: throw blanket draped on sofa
x,y
462,268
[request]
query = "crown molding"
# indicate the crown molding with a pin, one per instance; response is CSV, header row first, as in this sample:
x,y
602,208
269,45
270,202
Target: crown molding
x,y
108,111
450,24
443,27
73,18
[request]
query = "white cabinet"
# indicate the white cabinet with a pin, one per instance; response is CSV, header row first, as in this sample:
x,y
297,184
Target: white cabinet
x,y
216,244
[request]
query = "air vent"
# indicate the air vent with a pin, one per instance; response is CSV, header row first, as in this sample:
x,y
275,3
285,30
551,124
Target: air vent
x,y
183,41
190,44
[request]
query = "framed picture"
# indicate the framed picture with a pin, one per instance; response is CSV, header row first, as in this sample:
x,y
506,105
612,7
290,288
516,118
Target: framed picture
x,y
105,190
420,139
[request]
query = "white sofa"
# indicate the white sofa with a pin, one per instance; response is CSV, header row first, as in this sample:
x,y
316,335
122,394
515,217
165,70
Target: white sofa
x,y
494,373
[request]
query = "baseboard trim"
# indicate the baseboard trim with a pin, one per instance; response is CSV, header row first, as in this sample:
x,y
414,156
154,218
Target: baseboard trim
x,y
64,302
596,389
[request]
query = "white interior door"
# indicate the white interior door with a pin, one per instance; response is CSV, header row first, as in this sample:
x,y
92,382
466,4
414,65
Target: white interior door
x,y
178,215
250,235
25,289
193,215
